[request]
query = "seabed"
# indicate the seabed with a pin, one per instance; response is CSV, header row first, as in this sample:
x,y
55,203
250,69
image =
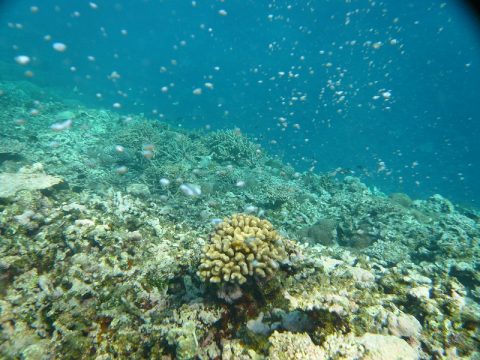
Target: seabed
x,y
101,250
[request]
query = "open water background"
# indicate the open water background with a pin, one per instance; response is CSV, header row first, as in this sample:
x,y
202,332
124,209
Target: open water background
x,y
386,90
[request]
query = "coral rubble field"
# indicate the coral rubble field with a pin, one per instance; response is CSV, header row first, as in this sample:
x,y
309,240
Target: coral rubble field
x,y
127,238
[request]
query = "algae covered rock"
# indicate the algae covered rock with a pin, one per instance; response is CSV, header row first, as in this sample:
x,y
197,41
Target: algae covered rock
x,y
289,346
241,246
26,179
382,347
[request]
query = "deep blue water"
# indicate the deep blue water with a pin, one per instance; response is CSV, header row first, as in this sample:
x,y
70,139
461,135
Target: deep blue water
x,y
388,90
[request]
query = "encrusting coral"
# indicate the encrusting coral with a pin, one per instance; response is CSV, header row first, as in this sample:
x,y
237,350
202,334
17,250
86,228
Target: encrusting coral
x,y
241,246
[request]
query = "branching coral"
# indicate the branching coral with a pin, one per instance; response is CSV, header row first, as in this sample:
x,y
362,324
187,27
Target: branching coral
x,y
241,246
231,145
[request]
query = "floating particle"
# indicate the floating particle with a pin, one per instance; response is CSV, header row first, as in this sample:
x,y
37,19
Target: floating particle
x,y
197,91
164,182
209,85
47,37
119,148
61,126
240,183
190,189
34,9
121,170
148,154
149,147
34,112
28,73
222,12
60,47
393,42
164,89
377,45
93,5
386,94
91,58
22,59
124,32
117,105
296,126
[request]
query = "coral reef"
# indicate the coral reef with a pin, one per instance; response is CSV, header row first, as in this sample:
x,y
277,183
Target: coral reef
x,y
241,246
232,145
120,265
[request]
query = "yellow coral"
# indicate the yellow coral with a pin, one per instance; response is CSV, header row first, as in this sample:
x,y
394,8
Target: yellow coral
x,y
240,247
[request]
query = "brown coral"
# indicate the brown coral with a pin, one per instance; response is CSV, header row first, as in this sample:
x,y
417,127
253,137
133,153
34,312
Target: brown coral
x,y
241,246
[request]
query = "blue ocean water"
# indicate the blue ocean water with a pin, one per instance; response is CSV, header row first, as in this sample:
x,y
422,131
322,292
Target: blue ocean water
x,y
385,90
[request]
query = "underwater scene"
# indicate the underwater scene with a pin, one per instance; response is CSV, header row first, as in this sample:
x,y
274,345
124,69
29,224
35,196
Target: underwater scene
x,y
239,179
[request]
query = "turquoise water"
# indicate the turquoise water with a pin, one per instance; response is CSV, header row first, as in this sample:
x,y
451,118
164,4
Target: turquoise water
x,y
368,83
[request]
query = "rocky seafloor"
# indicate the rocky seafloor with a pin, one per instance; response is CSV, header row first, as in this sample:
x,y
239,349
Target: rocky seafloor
x,y
100,249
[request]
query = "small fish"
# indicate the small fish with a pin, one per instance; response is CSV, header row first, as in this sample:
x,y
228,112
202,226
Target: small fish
x,y
164,182
121,170
148,147
61,126
191,189
147,154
